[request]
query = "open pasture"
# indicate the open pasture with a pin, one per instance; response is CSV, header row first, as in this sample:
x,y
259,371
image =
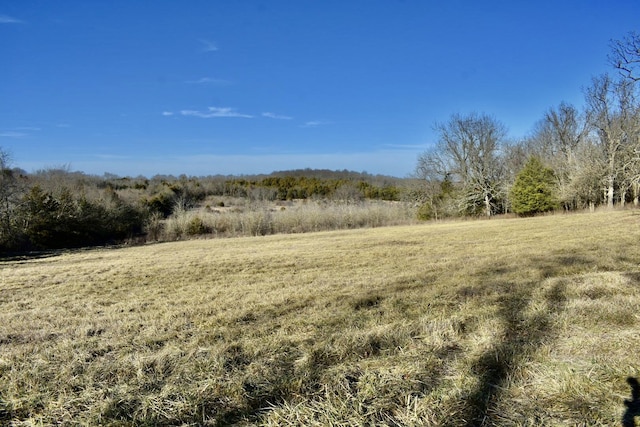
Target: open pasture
x,y
495,322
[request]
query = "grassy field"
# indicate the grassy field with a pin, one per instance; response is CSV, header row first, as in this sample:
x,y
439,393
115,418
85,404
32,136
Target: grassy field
x,y
507,322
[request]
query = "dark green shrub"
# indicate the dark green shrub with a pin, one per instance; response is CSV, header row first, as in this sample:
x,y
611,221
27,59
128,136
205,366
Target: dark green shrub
x,y
60,220
534,189
425,212
162,202
196,227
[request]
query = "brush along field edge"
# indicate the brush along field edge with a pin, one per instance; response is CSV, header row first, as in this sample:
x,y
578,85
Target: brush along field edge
x,y
502,322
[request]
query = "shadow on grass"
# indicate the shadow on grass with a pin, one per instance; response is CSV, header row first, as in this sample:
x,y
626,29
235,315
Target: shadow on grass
x,y
26,256
23,256
634,278
633,404
521,336
561,263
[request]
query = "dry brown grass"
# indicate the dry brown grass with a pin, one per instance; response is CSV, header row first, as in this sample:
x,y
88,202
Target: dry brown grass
x,y
263,218
503,322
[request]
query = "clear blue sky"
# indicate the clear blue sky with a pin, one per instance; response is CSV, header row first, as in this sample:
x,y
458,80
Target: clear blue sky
x,y
244,87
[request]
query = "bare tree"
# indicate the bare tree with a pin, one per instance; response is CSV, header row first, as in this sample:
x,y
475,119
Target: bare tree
x,y
613,116
567,129
630,155
625,56
514,158
9,193
468,151
586,173
434,183
555,140
6,180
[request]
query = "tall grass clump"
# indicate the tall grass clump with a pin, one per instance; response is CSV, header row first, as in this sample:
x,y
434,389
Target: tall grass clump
x,y
260,219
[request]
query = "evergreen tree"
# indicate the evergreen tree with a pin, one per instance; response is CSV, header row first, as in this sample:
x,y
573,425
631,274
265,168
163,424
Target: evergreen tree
x,y
534,189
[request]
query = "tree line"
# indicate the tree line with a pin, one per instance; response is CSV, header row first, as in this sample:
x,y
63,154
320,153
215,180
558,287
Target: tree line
x,y
574,158
58,208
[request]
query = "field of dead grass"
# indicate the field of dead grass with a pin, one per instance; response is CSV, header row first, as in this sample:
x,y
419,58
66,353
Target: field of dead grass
x,y
507,322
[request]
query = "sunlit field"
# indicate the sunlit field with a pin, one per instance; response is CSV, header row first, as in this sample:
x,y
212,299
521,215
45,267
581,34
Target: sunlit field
x,y
506,322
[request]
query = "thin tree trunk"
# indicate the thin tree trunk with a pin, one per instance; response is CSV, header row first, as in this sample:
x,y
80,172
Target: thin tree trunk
x,y
610,192
487,204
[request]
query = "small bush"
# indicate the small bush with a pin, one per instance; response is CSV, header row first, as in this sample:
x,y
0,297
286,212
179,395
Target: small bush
x,y
197,227
257,223
162,202
154,226
425,212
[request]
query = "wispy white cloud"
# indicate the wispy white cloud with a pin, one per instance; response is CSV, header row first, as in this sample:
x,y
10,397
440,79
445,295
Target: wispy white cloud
x,y
167,113
314,123
5,19
407,146
112,157
19,131
209,81
208,46
12,134
276,116
215,112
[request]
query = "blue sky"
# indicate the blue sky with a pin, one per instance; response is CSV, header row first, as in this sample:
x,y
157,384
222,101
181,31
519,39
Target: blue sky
x,y
244,87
